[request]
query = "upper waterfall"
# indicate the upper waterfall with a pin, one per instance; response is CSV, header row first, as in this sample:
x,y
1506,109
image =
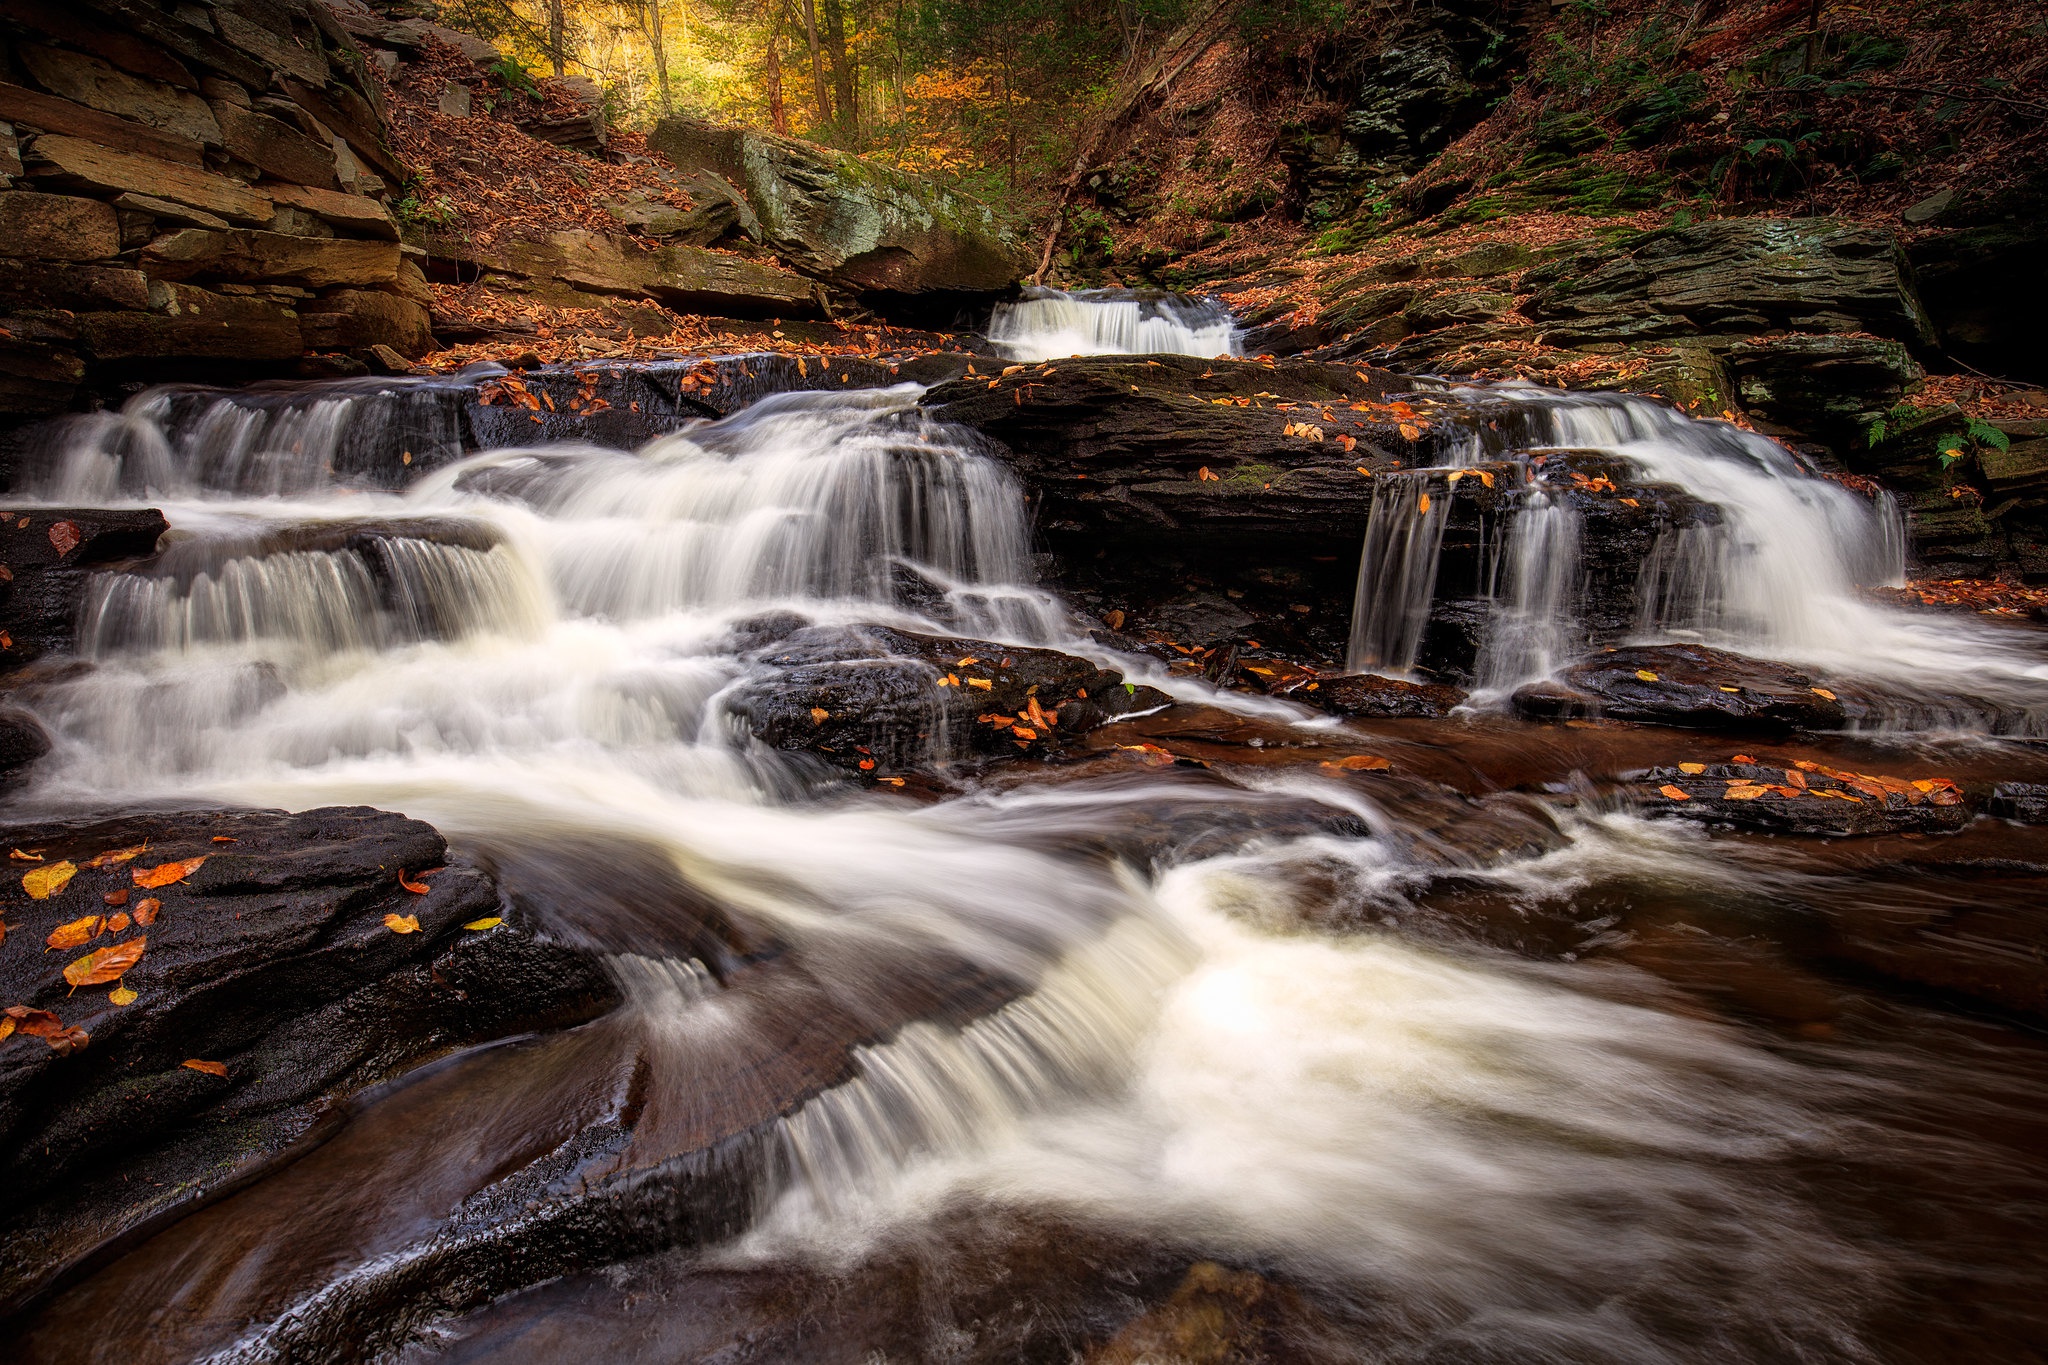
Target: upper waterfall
x,y
1051,324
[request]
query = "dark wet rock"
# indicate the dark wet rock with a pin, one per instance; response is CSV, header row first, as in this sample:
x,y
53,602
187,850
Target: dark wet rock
x,y
1686,685
1367,694
878,701
2026,802
1977,273
48,555
1828,388
271,958
22,741
1802,799
1217,1314
863,226
1734,277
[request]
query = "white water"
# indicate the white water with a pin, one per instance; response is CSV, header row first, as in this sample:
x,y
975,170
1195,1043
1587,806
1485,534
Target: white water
x,y
1779,578
1487,1141
1049,324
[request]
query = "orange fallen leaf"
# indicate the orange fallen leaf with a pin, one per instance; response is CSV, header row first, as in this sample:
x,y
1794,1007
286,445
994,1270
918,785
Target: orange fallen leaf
x,y
102,965
219,1069
1422,504
76,932
1744,792
1023,732
145,911
116,897
417,888
19,856
1410,432
117,924
402,924
1358,763
43,882
1742,758
1823,692
225,839
819,715
1692,767
163,874
1485,477
1203,475
983,683
114,857
1675,793
6,1029
121,995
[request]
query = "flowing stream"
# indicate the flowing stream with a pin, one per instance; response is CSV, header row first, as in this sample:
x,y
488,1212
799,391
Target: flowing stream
x,y
1280,1051
1051,324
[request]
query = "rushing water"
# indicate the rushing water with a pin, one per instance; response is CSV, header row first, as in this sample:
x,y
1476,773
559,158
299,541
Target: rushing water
x,y
1050,324
1262,1051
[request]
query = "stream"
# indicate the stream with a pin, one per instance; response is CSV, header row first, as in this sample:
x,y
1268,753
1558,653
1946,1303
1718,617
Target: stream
x,y
1119,1045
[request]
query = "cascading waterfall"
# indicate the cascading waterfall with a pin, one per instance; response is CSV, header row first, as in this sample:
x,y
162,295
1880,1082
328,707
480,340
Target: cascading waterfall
x,y
1397,572
1531,633
1049,324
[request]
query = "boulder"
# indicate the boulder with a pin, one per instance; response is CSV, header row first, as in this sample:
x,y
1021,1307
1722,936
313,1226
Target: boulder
x,y
1686,685
40,368
1806,798
680,276
357,319
355,214
860,225
1827,387
57,227
1369,695
22,741
271,257
48,555
71,161
98,85
879,701
1734,277
46,284
2024,802
273,959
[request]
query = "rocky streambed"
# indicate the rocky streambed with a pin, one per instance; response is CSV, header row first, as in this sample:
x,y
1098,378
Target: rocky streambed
x,y
1117,858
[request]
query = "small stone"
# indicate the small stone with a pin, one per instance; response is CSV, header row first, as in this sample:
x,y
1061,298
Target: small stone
x,y
454,102
1930,208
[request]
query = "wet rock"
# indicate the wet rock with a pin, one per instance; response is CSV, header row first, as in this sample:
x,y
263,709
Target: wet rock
x,y
273,958
878,701
1735,277
46,557
194,325
365,319
1686,685
1217,1316
2026,802
860,225
1367,694
1826,387
1806,798
22,741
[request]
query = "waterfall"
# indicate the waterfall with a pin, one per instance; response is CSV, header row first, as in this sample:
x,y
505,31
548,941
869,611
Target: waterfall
x,y
1049,324
1532,630
1397,571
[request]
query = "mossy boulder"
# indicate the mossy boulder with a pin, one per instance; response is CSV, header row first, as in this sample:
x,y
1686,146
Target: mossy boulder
x,y
854,223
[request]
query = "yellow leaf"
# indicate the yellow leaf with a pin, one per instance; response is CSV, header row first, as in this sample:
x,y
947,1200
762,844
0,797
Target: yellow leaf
x,y
43,882
1455,475
1823,692
1692,767
1486,478
77,932
402,924
121,995
1409,431
6,1029
1646,675
1744,792
983,683
1674,793
487,922
1726,688
102,965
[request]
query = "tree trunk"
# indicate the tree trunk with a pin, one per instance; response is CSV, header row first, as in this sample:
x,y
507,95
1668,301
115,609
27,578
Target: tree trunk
x,y
557,41
842,73
660,54
778,117
824,99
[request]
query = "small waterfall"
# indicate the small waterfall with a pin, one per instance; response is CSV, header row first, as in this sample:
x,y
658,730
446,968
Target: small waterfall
x,y
1049,324
1397,571
1533,630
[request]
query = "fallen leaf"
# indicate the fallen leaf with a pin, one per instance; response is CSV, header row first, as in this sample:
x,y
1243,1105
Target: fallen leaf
x,y
114,857
225,839
1410,432
1692,767
1726,688
102,965
163,874
219,1069
1113,619
117,924
1203,475
417,888
76,932
487,922
1422,504
43,882
121,995
402,924
1675,793
1646,675
19,856
1358,763
67,1039
1823,692
983,683
1744,792
819,715
6,1029
145,911
64,536
1486,478
1742,758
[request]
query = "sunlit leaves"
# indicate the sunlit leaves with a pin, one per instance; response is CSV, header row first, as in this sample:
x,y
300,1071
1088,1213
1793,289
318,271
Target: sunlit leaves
x,y
166,873
402,924
43,882
103,965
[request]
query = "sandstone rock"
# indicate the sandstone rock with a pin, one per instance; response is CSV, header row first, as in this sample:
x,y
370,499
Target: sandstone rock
x,y
1445,310
275,148
351,319
891,700
359,216
271,958
195,323
2025,802
39,364
1737,277
248,257
1826,387
10,155
44,284
57,227
682,277
80,28
1686,685
71,161
858,224
35,110
168,211
92,82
